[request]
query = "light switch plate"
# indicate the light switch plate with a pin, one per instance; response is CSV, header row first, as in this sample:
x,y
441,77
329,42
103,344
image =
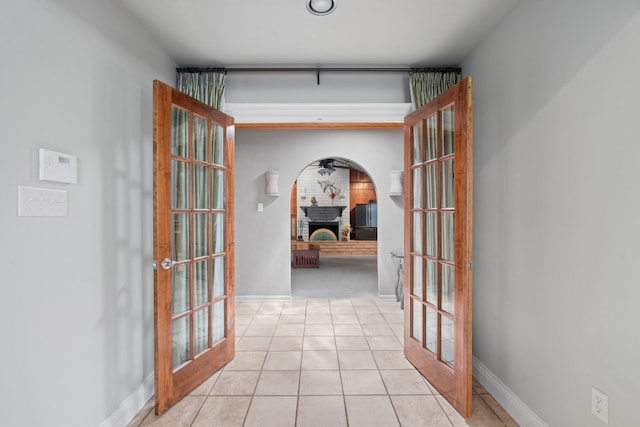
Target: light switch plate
x,y
58,167
33,201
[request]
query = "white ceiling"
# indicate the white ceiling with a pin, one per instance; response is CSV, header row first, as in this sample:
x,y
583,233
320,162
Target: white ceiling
x,y
359,33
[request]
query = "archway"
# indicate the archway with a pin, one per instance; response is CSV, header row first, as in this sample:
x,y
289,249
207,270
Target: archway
x,y
333,208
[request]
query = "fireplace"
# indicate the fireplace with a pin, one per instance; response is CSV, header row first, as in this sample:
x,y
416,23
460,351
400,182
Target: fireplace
x,y
334,226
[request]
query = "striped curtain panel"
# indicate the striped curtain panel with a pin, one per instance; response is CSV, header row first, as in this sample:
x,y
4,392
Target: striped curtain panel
x,y
426,85
205,86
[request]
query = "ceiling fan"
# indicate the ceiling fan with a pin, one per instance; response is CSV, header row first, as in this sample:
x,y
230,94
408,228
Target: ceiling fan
x,y
328,166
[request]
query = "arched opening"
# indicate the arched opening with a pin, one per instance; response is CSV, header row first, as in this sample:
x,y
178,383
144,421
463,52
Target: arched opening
x,y
334,231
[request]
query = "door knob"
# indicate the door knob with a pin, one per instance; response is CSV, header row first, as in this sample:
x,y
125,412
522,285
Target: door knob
x,y
166,263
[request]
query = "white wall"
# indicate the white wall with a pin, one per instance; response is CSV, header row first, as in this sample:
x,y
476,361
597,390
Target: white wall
x,y
557,207
263,243
77,291
263,239
294,87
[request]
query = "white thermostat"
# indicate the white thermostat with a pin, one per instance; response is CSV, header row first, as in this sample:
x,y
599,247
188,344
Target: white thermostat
x,y
58,167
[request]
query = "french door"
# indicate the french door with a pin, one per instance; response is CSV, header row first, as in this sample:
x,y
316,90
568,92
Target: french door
x,y
193,243
438,283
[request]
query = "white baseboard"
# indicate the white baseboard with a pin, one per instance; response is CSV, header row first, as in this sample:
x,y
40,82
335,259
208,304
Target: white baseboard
x,y
520,412
131,405
387,297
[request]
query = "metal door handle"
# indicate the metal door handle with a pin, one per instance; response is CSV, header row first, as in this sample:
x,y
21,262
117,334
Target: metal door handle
x,y
166,263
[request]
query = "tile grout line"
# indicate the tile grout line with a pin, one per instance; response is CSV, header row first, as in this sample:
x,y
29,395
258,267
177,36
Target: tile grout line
x,y
337,303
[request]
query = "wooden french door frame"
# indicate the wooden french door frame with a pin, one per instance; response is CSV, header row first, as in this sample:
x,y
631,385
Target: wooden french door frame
x,y
438,277
194,287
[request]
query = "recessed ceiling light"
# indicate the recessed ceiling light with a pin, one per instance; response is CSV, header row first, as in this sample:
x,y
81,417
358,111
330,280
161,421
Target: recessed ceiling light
x,y
321,7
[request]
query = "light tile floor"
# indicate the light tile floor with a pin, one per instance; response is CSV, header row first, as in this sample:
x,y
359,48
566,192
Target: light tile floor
x,y
320,363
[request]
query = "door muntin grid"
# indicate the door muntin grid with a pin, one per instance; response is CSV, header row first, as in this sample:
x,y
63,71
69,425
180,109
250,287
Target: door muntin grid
x,y
432,235
198,235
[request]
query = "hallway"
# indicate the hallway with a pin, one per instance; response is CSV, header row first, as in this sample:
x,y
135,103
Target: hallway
x,y
320,362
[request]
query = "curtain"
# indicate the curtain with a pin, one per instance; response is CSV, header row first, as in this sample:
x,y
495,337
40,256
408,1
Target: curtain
x,y
426,85
205,86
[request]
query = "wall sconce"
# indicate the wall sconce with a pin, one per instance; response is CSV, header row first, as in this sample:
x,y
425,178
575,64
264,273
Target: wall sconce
x,y
272,183
396,183
303,193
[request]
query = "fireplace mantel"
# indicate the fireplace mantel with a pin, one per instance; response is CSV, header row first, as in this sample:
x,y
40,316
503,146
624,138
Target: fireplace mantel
x,y
322,213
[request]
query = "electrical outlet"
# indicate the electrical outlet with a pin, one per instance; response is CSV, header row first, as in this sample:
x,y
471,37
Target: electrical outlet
x,y
600,404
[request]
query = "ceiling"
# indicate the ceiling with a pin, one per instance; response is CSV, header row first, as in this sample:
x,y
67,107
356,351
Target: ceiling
x,y
282,33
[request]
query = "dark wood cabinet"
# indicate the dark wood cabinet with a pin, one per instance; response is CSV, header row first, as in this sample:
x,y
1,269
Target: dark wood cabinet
x,y
367,233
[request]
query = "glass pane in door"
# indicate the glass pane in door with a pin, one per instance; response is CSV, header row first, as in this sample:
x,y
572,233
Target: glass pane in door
x,y
218,233
200,138
447,196
418,151
218,145
418,189
448,127
432,330
416,320
432,234
201,330
447,341
418,227
417,276
218,277
179,132
181,349
431,170
448,288
201,191
180,184
447,236
180,289
200,283
180,237
432,282
432,128
218,189
218,321
200,235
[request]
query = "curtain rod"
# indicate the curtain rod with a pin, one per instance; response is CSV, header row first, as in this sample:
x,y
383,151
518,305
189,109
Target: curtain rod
x,y
317,69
